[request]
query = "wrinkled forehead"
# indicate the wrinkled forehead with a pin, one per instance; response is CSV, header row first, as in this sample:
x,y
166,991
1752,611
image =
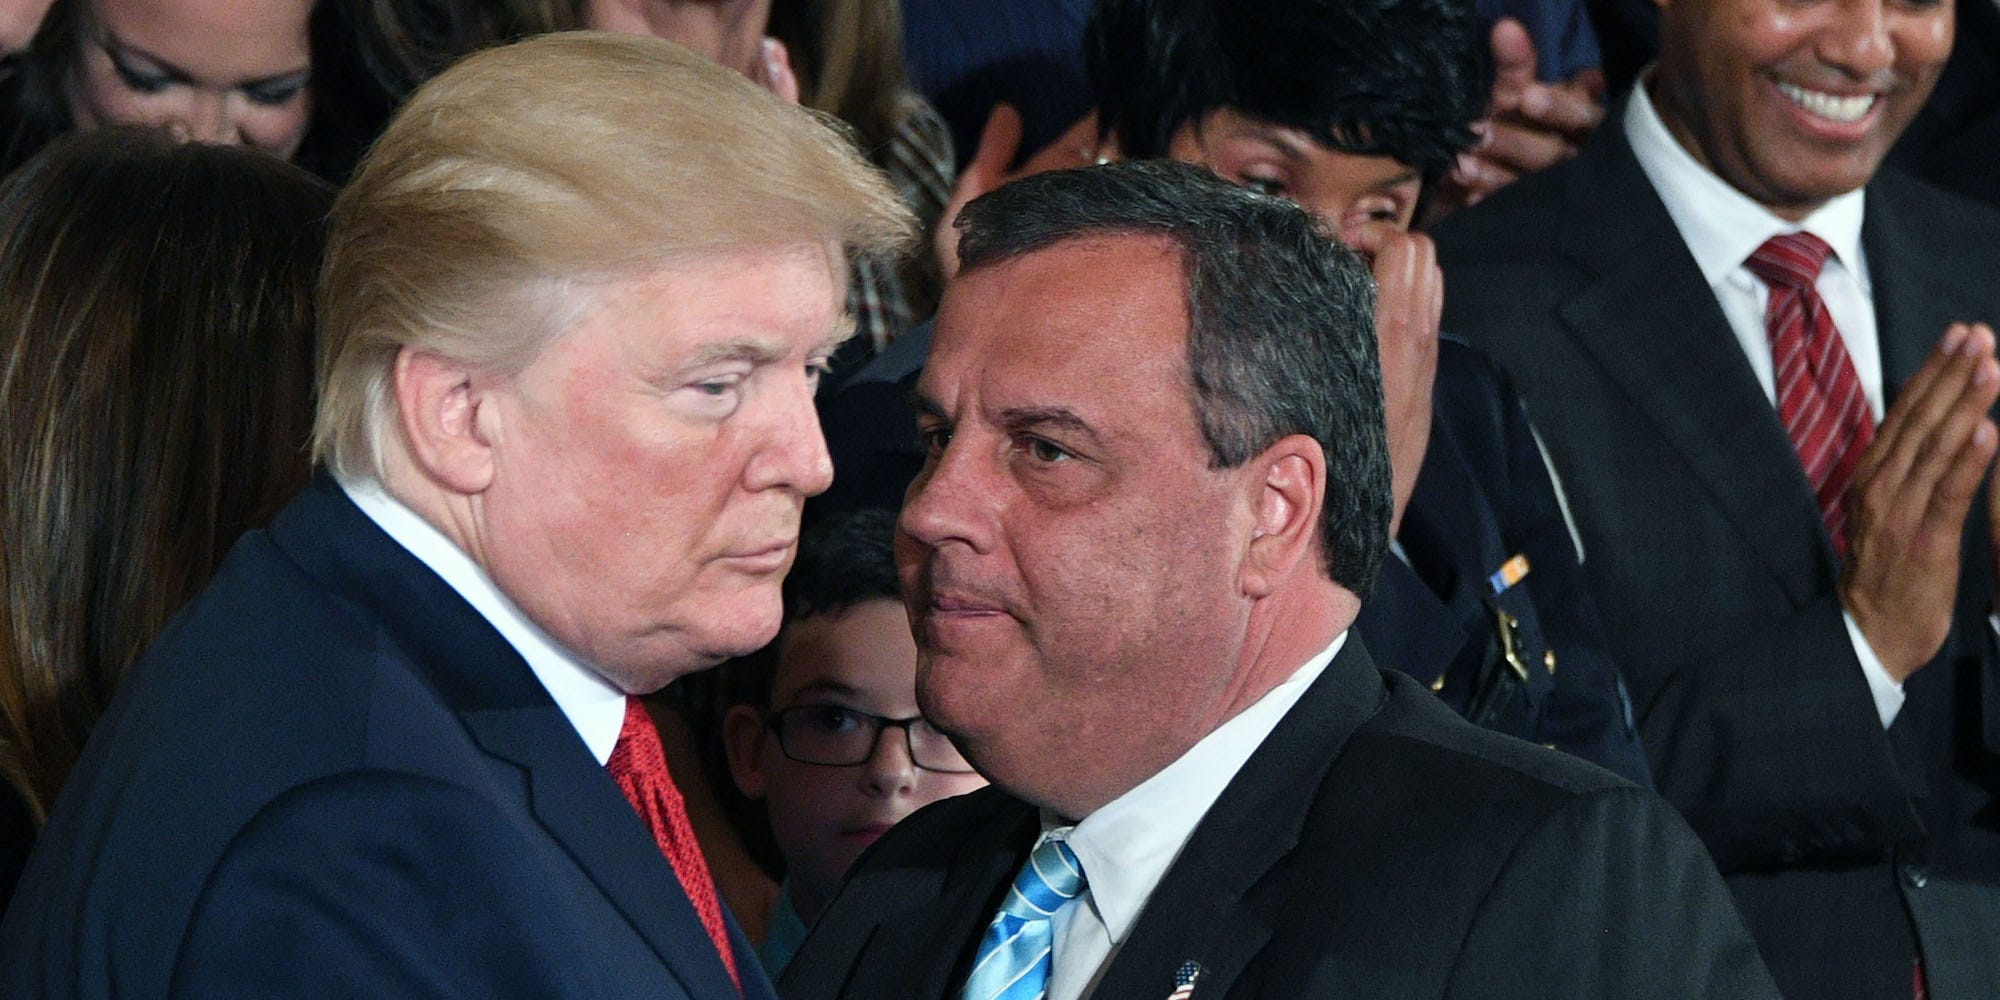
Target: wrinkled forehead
x,y
1100,298
1093,327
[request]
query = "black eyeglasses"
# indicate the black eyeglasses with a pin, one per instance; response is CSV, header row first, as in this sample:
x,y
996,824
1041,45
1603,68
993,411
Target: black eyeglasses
x,y
842,737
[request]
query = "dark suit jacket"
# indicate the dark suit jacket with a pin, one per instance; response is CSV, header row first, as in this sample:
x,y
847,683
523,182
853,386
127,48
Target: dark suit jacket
x,y
1482,496
331,777
1374,845
1717,582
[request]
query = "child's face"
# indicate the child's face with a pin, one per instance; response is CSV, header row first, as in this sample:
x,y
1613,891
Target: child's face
x,y
823,816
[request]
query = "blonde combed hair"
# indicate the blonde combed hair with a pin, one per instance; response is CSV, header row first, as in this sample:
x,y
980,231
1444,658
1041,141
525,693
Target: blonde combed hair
x,y
528,170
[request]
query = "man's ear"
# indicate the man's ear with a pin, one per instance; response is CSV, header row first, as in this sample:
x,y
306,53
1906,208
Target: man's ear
x,y
743,736
1289,483
439,405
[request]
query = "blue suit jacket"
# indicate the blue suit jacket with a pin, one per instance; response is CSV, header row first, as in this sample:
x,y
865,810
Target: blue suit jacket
x,y
331,777
1482,496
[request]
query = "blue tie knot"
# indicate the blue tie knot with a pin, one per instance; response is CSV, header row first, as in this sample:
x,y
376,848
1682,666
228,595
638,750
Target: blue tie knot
x,y
1051,878
1013,962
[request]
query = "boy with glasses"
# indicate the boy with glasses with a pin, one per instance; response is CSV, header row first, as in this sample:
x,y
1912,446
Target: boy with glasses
x,y
838,751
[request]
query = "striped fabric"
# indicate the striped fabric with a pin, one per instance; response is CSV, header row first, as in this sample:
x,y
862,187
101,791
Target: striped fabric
x,y
1013,961
1819,397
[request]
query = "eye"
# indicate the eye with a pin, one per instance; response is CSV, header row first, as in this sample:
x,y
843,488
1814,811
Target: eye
x,y
1045,451
1376,208
275,93
827,719
717,386
137,80
934,438
1272,186
818,368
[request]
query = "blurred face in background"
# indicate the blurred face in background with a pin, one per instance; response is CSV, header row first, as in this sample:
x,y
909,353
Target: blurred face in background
x,y
18,21
730,32
1347,191
216,71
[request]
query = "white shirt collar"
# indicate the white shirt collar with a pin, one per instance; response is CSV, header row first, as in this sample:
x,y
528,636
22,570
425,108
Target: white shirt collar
x,y
1128,844
1722,226
592,704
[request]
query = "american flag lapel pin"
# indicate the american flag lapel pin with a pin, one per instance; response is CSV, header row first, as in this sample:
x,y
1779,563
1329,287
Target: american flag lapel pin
x,y
1184,978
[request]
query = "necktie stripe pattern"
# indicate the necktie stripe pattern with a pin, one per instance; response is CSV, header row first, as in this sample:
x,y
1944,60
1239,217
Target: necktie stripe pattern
x,y
639,764
1820,401
1014,955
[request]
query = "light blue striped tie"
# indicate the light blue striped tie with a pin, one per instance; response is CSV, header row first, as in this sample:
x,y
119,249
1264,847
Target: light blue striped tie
x,y
1013,962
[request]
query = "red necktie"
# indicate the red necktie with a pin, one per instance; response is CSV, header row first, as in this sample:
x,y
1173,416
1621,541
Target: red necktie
x,y
639,765
1819,397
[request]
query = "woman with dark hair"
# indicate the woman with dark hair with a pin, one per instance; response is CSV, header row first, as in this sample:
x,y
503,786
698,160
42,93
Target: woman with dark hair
x,y
216,71
373,54
156,370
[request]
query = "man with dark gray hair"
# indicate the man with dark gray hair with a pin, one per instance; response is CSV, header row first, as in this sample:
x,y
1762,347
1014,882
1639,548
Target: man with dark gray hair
x,y
1157,490
574,309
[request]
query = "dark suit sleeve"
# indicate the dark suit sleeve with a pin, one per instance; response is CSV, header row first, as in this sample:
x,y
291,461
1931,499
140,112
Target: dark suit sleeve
x,y
379,885
1611,896
1587,713
1780,755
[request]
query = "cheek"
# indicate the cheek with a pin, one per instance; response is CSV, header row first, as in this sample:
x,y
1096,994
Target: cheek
x,y
103,99
275,129
808,804
933,786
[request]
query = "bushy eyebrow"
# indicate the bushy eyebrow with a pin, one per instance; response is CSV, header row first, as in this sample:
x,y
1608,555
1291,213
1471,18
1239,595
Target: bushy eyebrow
x,y
1016,419
1023,419
742,349
760,352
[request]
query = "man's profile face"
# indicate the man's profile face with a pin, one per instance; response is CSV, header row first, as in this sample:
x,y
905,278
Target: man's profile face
x,y
650,464
1345,191
1795,103
1069,557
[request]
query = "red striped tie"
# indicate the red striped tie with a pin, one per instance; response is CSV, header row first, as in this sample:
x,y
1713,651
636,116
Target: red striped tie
x,y
639,765
1819,397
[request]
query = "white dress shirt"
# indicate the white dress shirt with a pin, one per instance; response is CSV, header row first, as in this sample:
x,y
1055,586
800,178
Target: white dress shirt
x,y
1127,845
1722,227
592,704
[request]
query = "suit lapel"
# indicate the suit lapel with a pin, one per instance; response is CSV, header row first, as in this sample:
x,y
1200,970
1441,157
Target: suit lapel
x,y
583,810
1915,297
1651,322
1199,912
510,716
905,957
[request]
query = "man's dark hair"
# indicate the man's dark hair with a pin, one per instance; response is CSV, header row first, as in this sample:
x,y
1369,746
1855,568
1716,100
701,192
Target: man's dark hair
x,y
1399,78
847,559
1281,327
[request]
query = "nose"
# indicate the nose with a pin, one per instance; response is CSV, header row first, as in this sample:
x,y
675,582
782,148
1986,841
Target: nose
x,y
890,769
1858,39
793,453
207,119
942,503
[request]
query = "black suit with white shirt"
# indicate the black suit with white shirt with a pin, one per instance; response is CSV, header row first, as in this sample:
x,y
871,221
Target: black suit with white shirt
x,y
1845,843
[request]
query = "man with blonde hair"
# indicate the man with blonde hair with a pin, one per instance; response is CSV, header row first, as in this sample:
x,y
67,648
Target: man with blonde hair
x,y
574,308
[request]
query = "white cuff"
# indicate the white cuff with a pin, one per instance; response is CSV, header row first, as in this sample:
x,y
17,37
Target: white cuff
x,y
1887,691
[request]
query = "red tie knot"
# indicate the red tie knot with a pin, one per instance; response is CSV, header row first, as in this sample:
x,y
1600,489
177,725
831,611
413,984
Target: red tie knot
x,y
1791,260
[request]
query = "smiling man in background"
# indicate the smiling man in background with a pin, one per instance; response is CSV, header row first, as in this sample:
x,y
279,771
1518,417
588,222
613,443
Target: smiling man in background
x,y
1759,367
